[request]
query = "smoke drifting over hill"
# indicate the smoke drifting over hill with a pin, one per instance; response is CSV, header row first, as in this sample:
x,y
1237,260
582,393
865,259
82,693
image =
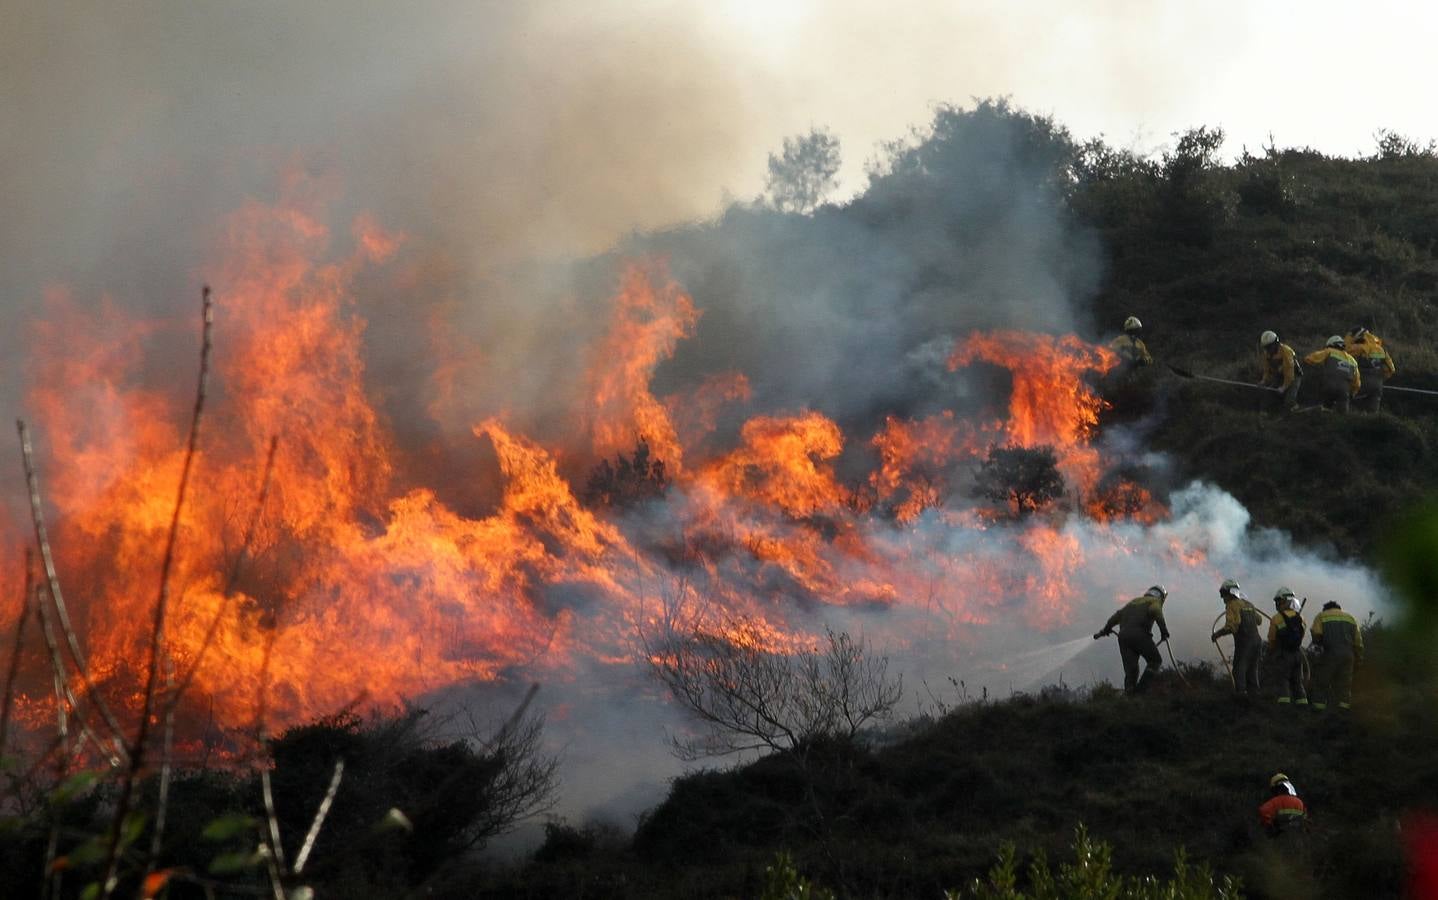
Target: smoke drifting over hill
x,y
426,308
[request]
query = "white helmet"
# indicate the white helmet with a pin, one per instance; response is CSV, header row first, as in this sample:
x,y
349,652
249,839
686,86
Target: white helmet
x,y
1158,591
1267,339
1336,341
1132,324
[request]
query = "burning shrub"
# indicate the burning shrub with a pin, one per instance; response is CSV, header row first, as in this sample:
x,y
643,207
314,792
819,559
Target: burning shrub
x,y
1026,479
628,480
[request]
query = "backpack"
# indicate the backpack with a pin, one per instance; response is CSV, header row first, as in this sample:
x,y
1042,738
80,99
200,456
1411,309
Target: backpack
x,y
1290,636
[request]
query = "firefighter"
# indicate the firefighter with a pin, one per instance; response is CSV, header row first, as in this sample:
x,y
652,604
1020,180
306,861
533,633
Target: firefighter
x,y
1338,378
1284,812
1278,368
1241,620
1130,347
1285,639
1375,366
1135,621
1339,642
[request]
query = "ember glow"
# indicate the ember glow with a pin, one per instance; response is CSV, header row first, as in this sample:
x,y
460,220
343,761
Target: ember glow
x,y
374,592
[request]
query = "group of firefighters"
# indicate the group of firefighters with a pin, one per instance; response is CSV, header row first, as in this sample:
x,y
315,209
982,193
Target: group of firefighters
x,y
1351,369
1336,645
1335,649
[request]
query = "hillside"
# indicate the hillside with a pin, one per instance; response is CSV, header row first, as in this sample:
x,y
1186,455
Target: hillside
x,y
1184,766
846,316
1208,255
1308,246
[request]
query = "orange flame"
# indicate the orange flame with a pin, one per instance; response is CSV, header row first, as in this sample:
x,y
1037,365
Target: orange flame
x,y
370,589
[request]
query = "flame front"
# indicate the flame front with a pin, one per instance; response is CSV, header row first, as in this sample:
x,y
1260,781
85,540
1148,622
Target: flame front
x,y
368,591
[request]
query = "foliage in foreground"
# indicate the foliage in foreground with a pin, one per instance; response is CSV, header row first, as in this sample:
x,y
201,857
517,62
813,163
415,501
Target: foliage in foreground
x,y
1091,877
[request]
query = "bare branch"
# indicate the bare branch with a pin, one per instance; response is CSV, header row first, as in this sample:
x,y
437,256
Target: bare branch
x,y
749,697
276,857
52,580
14,668
319,820
234,579
162,602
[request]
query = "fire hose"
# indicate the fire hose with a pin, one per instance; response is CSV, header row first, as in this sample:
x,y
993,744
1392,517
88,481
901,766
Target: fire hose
x,y
1302,657
1185,373
1169,647
1221,655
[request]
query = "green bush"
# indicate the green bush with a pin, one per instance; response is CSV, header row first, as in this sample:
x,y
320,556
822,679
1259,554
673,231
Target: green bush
x,y
1091,877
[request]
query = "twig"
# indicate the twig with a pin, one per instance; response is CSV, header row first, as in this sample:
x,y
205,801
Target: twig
x,y
157,631
230,585
162,800
62,731
63,692
177,691
15,650
47,559
276,858
324,810
503,733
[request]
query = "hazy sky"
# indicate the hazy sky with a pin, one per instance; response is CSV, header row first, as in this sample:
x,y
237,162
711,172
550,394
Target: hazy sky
x,y
552,127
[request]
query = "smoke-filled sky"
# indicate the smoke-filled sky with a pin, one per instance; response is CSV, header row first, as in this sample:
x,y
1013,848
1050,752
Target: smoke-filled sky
x,y
549,127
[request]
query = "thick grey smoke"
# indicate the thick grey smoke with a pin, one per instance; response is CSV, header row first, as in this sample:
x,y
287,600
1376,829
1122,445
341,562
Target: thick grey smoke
x,y
489,132
612,724
507,140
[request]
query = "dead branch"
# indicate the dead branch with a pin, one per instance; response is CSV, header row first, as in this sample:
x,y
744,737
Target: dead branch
x,y
751,698
324,810
14,668
234,579
52,580
157,631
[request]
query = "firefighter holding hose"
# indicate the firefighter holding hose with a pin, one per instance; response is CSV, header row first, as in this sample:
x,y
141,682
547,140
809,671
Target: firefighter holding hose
x,y
1135,621
1240,619
1338,380
1279,370
1375,366
1285,638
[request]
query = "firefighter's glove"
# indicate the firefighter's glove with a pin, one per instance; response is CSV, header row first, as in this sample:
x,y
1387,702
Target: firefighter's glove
x,y
1163,639
1214,637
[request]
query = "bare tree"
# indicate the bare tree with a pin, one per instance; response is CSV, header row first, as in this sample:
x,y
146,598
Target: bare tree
x,y
799,180
750,697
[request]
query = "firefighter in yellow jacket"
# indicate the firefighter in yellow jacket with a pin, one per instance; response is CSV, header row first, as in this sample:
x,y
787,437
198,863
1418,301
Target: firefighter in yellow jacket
x,y
1375,366
1338,378
1285,640
1134,621
1240,619
1130,348
1339,642
1278,368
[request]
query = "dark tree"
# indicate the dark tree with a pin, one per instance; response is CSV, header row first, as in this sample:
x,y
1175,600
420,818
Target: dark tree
x,y
1025,478
626,481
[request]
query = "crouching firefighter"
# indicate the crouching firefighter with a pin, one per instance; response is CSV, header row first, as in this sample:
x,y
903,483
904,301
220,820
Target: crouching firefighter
x,y
1338,380
1240,619
1135,621
1285,639
1284,812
